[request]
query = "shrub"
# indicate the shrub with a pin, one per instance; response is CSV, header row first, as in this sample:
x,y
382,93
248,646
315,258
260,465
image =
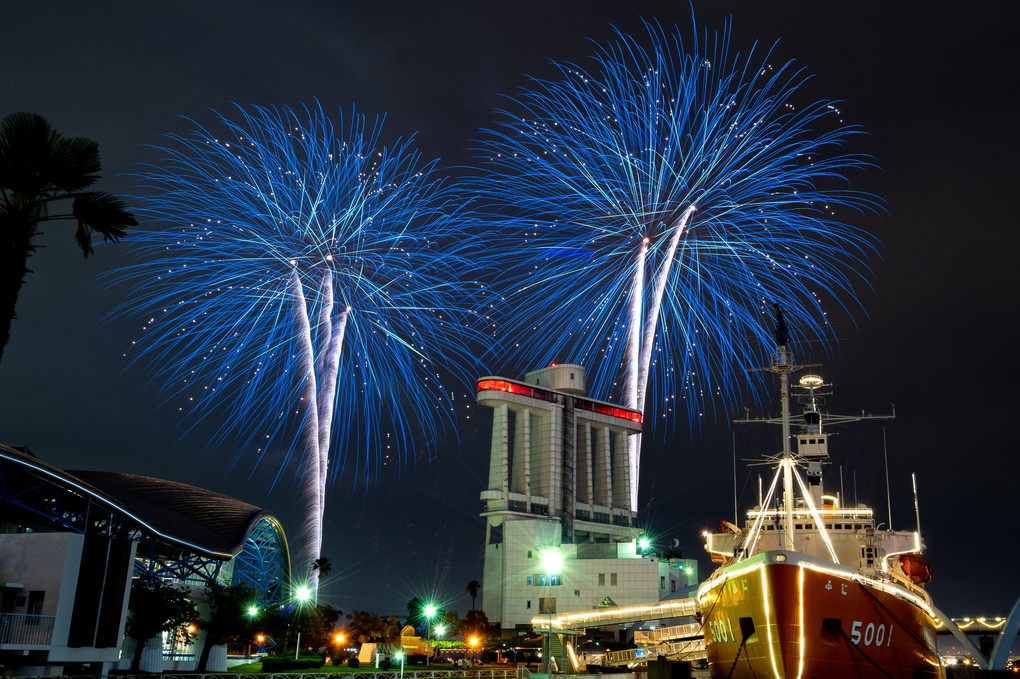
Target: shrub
x,y
281,663
354,663
385,664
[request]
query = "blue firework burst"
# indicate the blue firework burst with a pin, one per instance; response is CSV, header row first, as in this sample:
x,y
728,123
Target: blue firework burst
x,y
307,285
661,201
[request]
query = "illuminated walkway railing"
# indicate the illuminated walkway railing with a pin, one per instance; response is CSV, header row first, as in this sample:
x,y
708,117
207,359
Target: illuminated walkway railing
x,y
660,610
18,629
692,649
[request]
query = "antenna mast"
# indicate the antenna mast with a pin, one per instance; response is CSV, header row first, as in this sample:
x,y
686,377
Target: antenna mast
x,y
783,366
888,495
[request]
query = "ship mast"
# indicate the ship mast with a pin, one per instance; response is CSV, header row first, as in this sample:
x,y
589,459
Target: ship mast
x,y
784,365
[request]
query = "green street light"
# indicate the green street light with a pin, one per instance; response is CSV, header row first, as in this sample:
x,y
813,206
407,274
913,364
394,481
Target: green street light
x,y
430,612
400,657
302,595
644,543
253,610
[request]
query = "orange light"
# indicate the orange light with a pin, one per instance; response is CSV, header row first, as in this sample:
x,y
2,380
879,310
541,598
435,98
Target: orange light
x,y
260,638
474,641
339,638
191,629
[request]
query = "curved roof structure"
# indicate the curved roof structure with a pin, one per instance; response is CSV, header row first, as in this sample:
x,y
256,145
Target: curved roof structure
x,y
199,520
217,523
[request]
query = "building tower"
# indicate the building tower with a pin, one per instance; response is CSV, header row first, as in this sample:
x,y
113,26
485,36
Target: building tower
x,y
559,485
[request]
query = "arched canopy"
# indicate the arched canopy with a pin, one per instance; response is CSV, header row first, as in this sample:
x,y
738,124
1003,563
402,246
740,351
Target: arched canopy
x,y
171,521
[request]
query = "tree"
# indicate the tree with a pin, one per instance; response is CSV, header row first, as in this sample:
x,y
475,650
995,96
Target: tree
x,y
38,168
228,620
319,625
472,589
322,566
365,626
156,607
476,624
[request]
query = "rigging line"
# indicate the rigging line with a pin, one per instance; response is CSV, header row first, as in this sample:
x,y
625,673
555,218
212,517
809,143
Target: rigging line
x,y
903,625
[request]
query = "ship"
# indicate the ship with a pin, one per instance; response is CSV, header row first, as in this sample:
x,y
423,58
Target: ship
x,y
809,586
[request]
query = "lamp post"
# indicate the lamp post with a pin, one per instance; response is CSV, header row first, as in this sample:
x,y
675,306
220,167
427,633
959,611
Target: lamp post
x,y
430,612
259,640
253,612
400,656
440,630
302,595
552,564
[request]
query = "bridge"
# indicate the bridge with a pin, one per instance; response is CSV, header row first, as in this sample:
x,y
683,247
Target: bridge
x,y
678,642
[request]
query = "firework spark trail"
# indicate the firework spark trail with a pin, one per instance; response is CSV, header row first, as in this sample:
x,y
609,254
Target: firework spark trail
x,y
597,174
303,286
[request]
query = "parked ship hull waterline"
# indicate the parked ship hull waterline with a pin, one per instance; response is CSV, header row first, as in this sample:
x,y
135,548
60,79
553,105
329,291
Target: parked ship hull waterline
x,y
788,615
810,587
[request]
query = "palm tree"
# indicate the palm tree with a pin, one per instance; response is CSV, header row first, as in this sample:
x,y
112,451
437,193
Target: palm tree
x,y
39,167
323,566
472,589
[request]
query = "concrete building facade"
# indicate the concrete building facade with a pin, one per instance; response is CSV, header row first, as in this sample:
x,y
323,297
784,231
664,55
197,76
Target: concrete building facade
x,y
561,534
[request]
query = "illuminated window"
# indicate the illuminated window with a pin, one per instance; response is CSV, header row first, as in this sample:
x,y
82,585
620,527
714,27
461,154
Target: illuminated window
x,y
529,579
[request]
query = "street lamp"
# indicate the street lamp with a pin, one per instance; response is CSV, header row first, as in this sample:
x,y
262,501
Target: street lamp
x,y
552,565
430,612
440,630
400,657
303,594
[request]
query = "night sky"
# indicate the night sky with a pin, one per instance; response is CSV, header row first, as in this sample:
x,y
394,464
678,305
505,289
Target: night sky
x,y
934,84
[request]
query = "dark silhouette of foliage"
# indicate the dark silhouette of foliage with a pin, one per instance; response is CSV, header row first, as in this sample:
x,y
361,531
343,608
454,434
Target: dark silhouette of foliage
x,y
228,620
40,168
318,627
476,624
322,566
156,607
367,627
472,589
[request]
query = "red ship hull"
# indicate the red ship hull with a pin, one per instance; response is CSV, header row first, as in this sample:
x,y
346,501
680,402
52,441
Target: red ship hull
x,y
789,616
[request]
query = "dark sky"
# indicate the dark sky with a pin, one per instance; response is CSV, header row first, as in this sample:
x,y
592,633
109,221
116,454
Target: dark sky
x,y
935,85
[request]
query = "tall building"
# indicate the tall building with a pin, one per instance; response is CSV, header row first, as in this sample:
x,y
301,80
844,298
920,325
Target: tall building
x,y
561,534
